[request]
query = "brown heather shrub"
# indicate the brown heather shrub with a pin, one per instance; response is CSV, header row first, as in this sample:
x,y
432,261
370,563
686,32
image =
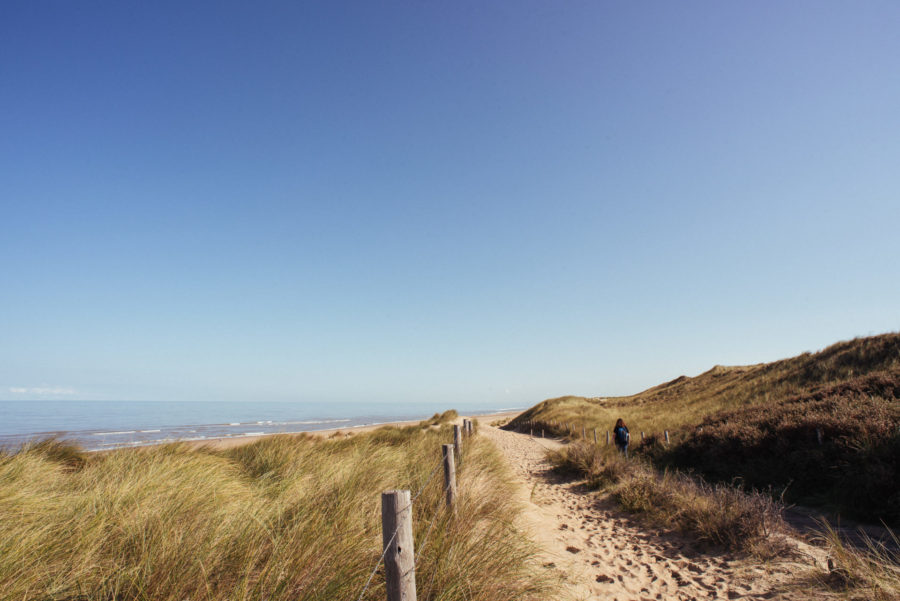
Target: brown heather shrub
x,y
855,470
757,424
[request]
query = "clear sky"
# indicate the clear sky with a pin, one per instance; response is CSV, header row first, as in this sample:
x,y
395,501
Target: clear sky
x,y
461,201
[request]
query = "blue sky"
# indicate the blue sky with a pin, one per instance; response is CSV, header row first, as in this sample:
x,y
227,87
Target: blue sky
x,y
462,202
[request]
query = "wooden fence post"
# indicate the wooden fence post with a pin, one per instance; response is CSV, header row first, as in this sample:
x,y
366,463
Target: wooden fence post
x,y
595,435
457,442
820,435
642,436
542,432
582,433
399,557
449,475
667,436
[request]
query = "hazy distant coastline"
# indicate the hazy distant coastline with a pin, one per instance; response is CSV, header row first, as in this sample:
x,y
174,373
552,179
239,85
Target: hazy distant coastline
x,y
103,425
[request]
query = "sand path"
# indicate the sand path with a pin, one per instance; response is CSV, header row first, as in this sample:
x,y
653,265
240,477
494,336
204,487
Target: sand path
x,y
600,553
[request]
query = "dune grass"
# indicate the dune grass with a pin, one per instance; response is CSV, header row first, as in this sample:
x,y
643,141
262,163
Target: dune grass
x,y
722,515
758,425
871,573
281,518
757,428
688,401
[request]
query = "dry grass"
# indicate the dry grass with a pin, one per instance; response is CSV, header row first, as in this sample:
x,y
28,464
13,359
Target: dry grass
x,y
722,515
687,401
854,470
282,518
871,573
440,418
758,424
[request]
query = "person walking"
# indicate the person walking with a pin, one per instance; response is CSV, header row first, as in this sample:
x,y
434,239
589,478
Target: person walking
x,y
621,436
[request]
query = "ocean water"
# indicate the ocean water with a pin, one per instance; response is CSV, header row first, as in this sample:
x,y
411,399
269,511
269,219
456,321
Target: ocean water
x,y
98,425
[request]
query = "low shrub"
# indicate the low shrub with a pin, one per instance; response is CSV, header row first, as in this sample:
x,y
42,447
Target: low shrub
x,y
721,514
854,470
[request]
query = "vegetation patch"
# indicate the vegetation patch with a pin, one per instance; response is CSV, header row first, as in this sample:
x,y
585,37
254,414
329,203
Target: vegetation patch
x,y
281,518
722,515
837,446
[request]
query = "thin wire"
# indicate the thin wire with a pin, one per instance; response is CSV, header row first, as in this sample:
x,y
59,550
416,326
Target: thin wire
x,y
430,526
380,559
396,530
433,472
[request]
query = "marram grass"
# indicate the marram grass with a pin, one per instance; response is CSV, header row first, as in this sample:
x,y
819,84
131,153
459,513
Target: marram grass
x,y
282,518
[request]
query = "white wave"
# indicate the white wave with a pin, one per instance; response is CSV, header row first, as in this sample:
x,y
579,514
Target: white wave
x,y
112,433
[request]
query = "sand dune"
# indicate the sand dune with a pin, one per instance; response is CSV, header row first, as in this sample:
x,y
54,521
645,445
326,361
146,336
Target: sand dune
x,y
600,553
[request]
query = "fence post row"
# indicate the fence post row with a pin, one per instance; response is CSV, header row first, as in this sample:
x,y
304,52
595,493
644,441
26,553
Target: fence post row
x,y
449,475
397,537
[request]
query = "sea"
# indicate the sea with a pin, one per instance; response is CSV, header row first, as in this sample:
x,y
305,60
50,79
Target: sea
x,y
99,425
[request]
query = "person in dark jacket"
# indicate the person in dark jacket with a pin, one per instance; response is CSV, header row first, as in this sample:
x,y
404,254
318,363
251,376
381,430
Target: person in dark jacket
x,y
621,436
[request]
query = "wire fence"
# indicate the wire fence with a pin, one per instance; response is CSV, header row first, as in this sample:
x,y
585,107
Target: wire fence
x,y
442,506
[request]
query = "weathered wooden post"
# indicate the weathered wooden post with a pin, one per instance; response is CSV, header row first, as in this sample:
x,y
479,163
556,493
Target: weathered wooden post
x,y
457,442
449,475
542,432
820,435
582,433
595,435
397,541
667,437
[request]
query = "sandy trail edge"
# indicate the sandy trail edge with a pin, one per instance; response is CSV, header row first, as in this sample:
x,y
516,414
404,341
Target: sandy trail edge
x,y
602,554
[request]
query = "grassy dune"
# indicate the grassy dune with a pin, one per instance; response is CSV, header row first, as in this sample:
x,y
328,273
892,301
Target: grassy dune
x,y
757,428
282,518
688,401
758,424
